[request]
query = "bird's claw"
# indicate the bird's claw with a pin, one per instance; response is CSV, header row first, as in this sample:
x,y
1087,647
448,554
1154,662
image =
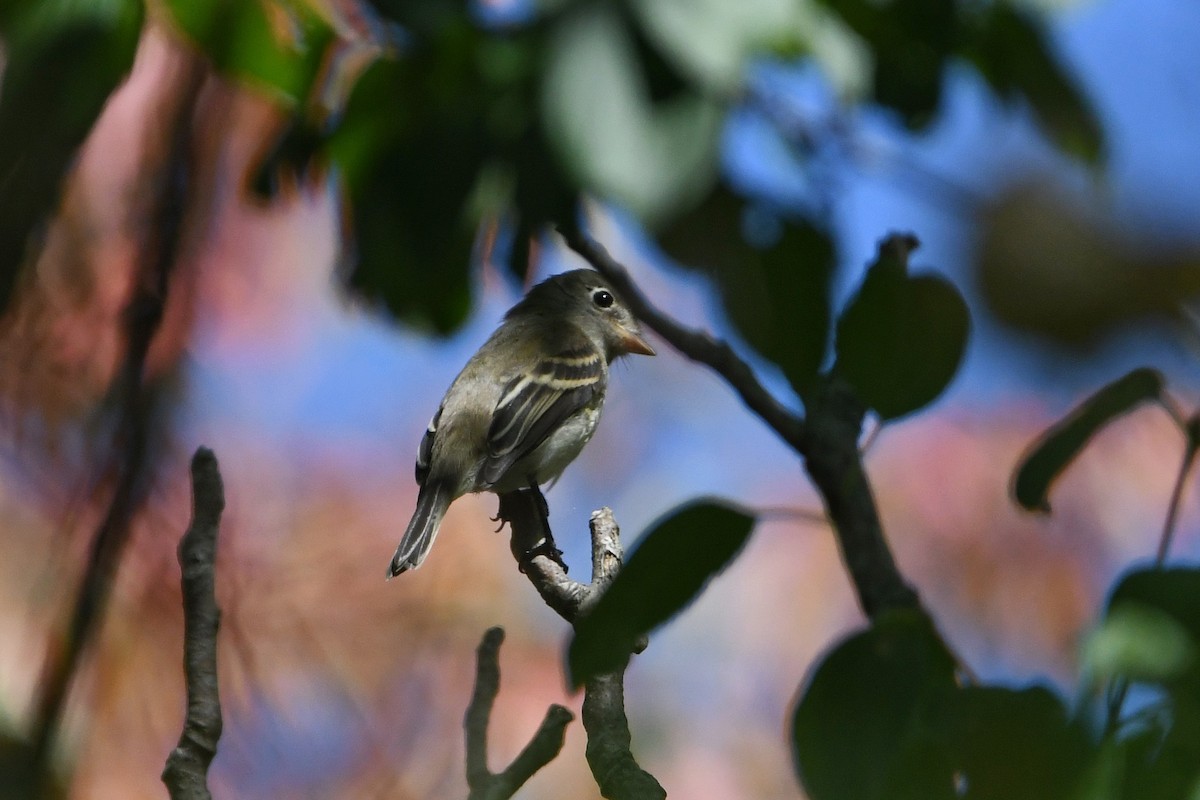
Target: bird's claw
x,y
546,548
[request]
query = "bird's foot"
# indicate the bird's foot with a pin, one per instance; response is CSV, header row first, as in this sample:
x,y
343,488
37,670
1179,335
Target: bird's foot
x,y
547,548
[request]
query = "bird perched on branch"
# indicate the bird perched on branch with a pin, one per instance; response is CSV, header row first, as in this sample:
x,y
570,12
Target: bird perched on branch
x,y
525,404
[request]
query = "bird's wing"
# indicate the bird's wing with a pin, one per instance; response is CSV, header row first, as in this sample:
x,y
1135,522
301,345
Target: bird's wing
x,y
425,450
533,405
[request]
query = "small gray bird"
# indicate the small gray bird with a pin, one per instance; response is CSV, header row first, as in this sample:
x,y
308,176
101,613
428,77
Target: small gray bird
x,y
525,404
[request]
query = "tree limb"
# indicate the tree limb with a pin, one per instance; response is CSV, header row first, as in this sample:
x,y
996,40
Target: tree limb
x,y
608,750
827,440
546,743
186,770
697,345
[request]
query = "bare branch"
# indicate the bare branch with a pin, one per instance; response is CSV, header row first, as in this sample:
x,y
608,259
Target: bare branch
x,y
608,750
697,345
834,462
541,750
186,771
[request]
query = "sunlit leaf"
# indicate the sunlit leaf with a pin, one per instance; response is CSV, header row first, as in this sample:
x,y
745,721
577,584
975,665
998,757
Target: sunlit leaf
x,y
278,46
713,39
653,158
1059,445
867,724
668,570
1138,642
1174,591
901,339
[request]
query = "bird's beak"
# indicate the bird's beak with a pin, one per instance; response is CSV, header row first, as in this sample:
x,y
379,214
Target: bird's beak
x,y
632,342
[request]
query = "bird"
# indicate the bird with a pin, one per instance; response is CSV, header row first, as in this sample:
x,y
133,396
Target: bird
x,y
525,404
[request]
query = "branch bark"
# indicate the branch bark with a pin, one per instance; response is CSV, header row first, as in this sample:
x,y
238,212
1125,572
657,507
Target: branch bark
x,y
616,771
827,439
186,770
546,743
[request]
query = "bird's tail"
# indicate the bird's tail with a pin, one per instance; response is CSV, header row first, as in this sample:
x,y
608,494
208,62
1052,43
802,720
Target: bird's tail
x,y
432,502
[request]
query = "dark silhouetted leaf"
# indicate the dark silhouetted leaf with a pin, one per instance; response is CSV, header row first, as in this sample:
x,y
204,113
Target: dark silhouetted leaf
x,y
1011,743
1163,762
901,339
412,231
866,726
1062,443
796,273
61,64
910,41
709,235
1016,58
411,172
668,570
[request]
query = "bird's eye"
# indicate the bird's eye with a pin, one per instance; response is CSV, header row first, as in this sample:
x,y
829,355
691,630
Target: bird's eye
x,y
602,298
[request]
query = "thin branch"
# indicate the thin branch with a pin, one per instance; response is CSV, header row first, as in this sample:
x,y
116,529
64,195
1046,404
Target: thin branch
x,y
186,770
546,743
1189,458
697,345
616,771
828,439
834,462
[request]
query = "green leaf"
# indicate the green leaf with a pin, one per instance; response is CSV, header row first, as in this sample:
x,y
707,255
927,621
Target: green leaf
x,y
62,62
242,41
1137,642
1163,750
653,158
412,233
901,339
1016,743
667,571
1059,445
1175,592
411,174
866,727
712,40
1015,56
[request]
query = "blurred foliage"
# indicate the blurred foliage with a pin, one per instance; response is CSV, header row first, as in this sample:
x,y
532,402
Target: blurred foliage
x,y
1050,266
452,125
459,122
62,60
